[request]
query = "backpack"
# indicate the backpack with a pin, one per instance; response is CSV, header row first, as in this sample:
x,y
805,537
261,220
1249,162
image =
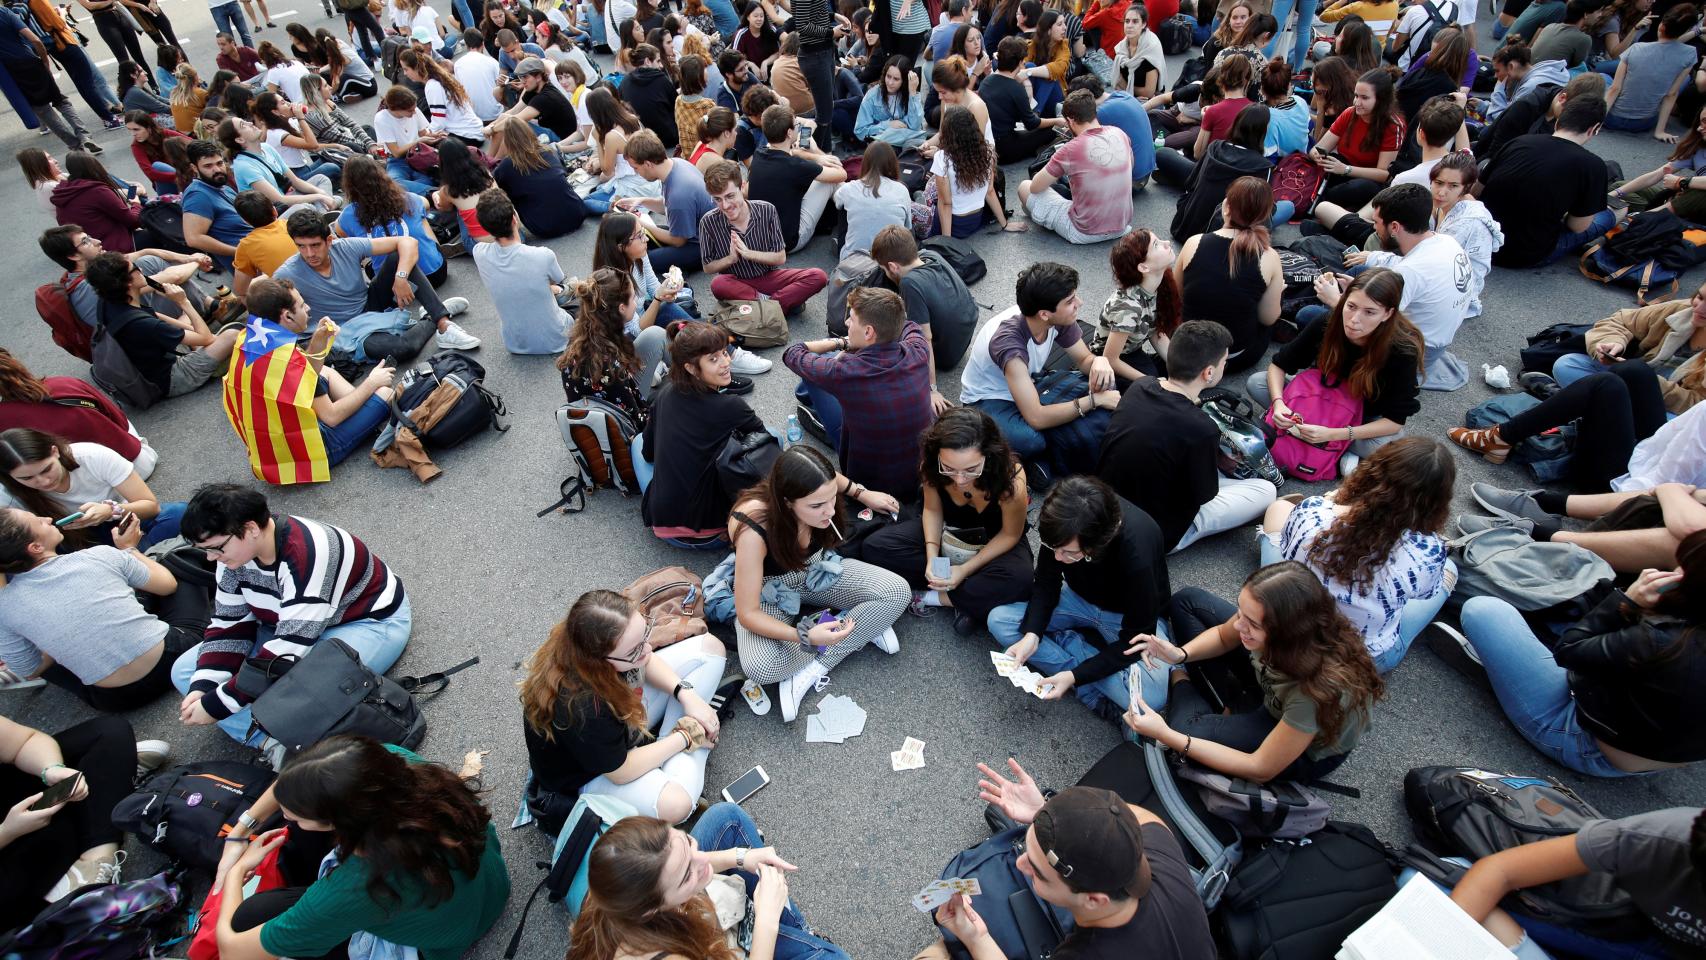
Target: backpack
x,y
1503,561
914,170
857,270
1463,811
565,879
165,219
1649,248
1029,921
1300,899
672,601
1243,452
600,438
1281,809
53,303
187,811
1322,404
1300,271
1549,345
758,323
475,410
959,255
1175,34
1190,72
1547,455
112,921
1424,42
1298,180
112,370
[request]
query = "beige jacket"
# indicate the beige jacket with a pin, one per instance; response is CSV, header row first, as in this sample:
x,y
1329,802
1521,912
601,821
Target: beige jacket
x,y
1659,331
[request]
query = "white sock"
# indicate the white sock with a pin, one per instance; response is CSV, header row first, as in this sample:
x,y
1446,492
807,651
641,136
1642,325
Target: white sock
x,y
933,598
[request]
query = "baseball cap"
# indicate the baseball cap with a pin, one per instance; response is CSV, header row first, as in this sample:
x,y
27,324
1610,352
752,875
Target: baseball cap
x,y
529,65
423,35
1092,839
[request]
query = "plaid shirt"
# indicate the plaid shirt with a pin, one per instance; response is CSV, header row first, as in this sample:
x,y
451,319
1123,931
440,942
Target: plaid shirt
x,y
884,391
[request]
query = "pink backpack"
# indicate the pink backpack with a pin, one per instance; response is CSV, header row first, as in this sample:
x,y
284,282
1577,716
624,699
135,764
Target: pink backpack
x,y
1297,179
1321,404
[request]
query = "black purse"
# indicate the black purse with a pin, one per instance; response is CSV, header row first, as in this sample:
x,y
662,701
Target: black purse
x,y
746,459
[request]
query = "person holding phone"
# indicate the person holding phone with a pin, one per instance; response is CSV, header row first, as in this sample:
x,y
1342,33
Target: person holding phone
x,y
46,853
654,891
605,715
55,478
1669,337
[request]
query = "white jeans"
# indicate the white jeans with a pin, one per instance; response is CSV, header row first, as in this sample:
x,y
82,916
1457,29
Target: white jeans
x,y
1238,502
812,205
687,770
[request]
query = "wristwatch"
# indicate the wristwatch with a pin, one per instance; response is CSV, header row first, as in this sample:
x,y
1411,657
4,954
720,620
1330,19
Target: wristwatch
x,y
247,822
740,857
683,685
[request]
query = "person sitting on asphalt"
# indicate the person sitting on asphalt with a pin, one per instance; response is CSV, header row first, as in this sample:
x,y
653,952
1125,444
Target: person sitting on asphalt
x,y
105,623
282,584
1096,163
936,299
1133,330
525,282
151,340
72,248
55,478
871,390
375,318
742,242
793,176
1670,337
267,246
1160,449
1100,581
1548,192
70,408
683,200
605,714
211,222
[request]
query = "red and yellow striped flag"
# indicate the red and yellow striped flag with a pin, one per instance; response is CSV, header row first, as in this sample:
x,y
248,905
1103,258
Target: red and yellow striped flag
x,y
269,398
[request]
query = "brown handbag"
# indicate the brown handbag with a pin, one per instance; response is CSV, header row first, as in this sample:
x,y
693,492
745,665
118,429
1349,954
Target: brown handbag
x,y
673,602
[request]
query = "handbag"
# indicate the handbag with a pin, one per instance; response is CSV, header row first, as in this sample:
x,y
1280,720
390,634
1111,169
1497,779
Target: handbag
x,y
745,460
422,157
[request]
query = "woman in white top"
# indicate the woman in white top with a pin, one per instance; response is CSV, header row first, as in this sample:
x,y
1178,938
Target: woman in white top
x,y
876,200
1139,64
613,123
448,106
51,477
283,75
293,138
964,172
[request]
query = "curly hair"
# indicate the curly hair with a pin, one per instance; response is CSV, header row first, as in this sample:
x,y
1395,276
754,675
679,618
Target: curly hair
x,y
571,666
597,344
378,200
966,428
1311,643
971,155
460,173
1403,486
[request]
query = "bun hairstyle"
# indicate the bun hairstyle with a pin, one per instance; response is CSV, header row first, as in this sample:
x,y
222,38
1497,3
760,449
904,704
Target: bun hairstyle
x,y
1276,80
597,344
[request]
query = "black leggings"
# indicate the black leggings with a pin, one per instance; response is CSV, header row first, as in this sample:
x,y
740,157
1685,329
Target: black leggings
x,y
186,611
158,27
104,751
120,38
1231,680
1006,579
1022,145
403,345
367,31
1352,193
1618,409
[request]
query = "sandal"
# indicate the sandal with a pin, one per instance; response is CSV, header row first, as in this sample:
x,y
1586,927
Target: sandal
x,y
1485,441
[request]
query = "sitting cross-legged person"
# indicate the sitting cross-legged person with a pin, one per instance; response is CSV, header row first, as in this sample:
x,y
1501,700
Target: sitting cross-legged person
x,y
1669,337
743,244
1629,529
151,339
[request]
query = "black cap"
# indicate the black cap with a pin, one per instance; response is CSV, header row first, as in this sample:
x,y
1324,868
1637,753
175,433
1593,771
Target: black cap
x,y
1092,838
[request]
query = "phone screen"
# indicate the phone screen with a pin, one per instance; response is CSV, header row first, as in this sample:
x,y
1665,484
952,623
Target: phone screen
x,y
749,784
57,794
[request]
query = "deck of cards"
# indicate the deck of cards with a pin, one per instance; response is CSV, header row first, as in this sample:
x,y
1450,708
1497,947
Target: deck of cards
x,y
938,892
1024,678
910,756
836,719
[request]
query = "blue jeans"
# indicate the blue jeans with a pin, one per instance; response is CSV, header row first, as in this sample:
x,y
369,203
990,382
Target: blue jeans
x,y
1300,41
1542,935
90,84
726,826
357,428
643,469
409,178
325,168
352,336
1027,441
1631,124
1570,242
1574,366
1284,210
164,526
1533,690
228,18
828,409
1063,647
724,16
670,311
599,200
377,642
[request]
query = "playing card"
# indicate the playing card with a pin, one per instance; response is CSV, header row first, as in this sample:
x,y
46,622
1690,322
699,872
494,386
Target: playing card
x,y
900,760
1004,665
932,896
913,745
816,733
969,886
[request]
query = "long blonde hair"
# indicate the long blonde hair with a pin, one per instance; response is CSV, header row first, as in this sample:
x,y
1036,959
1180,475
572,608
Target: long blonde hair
x,y
519,144
624,911
188,83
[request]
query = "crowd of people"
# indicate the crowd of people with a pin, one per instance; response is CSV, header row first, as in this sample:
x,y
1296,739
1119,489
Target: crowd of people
x,y
725,141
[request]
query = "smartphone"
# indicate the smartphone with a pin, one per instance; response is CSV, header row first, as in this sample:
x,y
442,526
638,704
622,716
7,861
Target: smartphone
x,y
64,521
155,284
1664,588
58,793
941,569
749,783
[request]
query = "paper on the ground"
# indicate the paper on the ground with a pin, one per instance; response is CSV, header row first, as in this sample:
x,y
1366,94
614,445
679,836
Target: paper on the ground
x,y
938,892
1422,923
838,718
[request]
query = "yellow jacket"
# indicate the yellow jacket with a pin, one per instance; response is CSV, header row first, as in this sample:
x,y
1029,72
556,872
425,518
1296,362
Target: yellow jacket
x,y
1373,11
1659,331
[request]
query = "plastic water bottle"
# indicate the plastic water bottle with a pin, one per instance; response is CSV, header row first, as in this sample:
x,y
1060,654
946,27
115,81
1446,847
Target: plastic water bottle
x,y
794,431
1160,141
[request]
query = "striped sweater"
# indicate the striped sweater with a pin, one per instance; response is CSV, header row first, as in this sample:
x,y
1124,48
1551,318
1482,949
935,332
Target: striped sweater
x,y
323,577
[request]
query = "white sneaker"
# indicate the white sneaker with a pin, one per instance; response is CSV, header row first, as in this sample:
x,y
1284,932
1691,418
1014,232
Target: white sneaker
x,y
887,642
747,363
453,337
456,306
84,872
151,755
793,690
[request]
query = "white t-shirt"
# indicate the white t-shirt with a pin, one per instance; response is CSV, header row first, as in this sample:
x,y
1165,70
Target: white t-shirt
x,y
287,77
459,118
1415,23
400,16
388,129
479,74
424,17
99,472
964,201
983,379
1436,276
1419,173
293,156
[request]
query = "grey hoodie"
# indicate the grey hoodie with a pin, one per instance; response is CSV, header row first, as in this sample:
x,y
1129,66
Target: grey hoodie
x,y
1475,230
1546,71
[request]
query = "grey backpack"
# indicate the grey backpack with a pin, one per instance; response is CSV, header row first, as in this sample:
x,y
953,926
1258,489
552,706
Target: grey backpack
x,y
858,270
1280,809
1503,561
111,369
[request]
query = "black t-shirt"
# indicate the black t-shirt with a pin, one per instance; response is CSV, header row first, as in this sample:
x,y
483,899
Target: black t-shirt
x,y
1170,921
1396,392
549,207
588,741
1158,452
149,342
1009,103
937,298
1533,183
782,179
556,113
686,432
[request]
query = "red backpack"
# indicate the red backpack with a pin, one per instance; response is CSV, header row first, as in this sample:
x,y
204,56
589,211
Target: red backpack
x,y
53,302
1299,180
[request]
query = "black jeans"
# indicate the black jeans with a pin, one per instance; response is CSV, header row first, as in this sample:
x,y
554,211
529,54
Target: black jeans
x,y
1018,146
1618,409
899,548
368,31
1231,680
120,38
403,345
1352,193
104,751
186,612
158,27
819,67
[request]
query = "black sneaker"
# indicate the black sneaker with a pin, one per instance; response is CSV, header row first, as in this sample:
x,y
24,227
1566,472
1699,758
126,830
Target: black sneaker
x,y
740,386
1538,385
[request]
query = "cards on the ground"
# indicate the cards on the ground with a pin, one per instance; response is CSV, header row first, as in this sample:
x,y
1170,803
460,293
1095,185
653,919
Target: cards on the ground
x,y
910,756
837,718
1422,923
938,892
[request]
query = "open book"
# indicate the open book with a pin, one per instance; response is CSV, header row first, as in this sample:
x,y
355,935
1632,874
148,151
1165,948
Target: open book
x,y
1422,923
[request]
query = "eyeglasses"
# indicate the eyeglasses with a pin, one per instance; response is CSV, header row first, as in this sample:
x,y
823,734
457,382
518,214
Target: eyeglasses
x,y
1067,556
213,551
87,241
639,651
637,235
971,474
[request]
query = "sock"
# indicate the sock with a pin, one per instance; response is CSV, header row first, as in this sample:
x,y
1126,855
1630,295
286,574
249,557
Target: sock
x,y
1545,529
1553,502
932,598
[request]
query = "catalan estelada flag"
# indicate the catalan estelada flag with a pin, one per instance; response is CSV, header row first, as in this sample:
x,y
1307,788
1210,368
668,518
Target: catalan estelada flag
x,y
269,396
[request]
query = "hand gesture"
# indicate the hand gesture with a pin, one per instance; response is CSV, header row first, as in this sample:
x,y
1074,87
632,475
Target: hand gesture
x,y
939,403
1664,136
1608,351
831,633
129,532
1015,225
1356,259
767,857
324,332
1332,164
1101,374
695,733
1284,416
1310,433
1022,650
1155,650
958,918
948,584
1019,798
191,712
701,711
94,513
402,292
770,896
1651,585
1143,720
1106,399
1056,686
326,201
257,851
203,262
21,820
739,246
879,501
174,293
1671,181
1327,289
381,376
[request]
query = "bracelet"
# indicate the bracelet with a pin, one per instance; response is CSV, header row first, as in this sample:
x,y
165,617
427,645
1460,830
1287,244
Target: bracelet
x,y
1187,751
1351,434
246,821
1184,657
318,356
51,766
933,543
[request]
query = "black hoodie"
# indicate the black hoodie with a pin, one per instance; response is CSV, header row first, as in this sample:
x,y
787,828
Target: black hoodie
x,y
649,92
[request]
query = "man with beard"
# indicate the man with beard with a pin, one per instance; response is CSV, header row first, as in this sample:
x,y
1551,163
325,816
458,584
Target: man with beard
x,y
211,222
1436,275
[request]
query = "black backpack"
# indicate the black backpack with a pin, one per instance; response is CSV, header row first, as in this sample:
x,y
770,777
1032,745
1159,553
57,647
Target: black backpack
x,y
1300,899
1175,34
112,370
187,811
477,409
959,255
1466,812
1437,21
1546,347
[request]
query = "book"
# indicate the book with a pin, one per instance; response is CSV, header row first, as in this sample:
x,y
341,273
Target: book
x,y
1422,923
